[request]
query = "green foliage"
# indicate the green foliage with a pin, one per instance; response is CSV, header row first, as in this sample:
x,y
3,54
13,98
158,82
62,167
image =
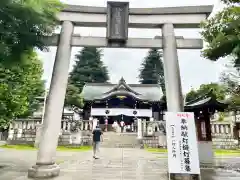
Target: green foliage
x,y
222,33
218,90
59,148
230,1
221,116
231,80
152,71
234,102
88,68
191,95
73,98
23,23
20,84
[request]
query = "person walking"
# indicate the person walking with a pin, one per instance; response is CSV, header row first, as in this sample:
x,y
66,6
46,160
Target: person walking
x,y
115,125
97,137
122,124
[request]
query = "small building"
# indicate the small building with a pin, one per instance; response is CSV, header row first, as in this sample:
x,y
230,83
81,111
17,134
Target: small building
x,y
204,107
67,113
122,101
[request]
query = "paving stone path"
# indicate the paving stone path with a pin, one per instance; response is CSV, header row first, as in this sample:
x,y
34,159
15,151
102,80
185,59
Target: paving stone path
x,y
114,164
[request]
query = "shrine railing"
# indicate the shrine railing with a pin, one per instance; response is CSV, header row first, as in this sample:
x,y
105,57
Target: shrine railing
x,y
149,128
31,124
222,129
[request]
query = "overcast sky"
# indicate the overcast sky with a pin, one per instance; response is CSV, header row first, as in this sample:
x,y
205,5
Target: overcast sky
x,y
195,70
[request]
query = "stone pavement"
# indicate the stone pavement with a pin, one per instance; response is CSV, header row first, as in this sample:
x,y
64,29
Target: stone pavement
x,y
114,164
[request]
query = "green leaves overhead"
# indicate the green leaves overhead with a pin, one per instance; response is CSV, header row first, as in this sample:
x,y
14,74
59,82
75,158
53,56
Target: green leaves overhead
x,y
218,90
20,84
231,79
230,1
222,33
23,24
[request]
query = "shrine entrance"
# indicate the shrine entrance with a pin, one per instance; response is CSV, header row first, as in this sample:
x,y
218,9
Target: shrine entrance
x,y
117,18
128,120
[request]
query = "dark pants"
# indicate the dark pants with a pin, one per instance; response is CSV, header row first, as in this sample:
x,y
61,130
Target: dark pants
x,y
134,128
96,145
122,128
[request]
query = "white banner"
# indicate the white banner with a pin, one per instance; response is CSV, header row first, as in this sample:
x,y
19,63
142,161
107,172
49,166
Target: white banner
x,y
182,143
120,111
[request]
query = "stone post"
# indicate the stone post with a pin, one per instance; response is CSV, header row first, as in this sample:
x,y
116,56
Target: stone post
x,y
90,125
19,133
82,125
231,129
45,166
144,127
39,128
76,138
86,125
172,76
10,132
171,70
217,129
139,124
222,129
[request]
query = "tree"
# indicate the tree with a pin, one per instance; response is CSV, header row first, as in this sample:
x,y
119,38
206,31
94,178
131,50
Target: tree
x,y
218,90
88,68
222,33
231,79
73,98
152,71
23,24
20,84
191,95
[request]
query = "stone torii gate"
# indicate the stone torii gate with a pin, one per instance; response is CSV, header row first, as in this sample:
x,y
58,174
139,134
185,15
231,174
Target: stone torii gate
x,y
117,18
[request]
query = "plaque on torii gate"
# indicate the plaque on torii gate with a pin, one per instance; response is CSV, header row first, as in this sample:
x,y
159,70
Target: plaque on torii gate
x,y
117,22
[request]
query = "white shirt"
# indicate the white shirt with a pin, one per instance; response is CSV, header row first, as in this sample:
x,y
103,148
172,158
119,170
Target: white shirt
x,y
122,123
114,124
95,121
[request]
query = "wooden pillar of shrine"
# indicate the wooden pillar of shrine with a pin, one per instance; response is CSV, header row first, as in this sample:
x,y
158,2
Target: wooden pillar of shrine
x,y
203,128
236,128
236,131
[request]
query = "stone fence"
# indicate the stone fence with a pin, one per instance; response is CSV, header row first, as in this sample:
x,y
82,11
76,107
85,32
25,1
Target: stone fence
x,y
222,128
28,131
223,135
154,135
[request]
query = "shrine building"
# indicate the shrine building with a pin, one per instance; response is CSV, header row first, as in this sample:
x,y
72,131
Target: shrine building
x,y
122,101
204,107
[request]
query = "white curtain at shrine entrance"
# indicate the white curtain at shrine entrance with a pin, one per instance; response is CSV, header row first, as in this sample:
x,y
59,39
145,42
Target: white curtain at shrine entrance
x,y
120,111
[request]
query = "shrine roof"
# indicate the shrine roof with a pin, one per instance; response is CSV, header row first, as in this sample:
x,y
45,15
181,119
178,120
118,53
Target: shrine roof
x,y
145,92
208,100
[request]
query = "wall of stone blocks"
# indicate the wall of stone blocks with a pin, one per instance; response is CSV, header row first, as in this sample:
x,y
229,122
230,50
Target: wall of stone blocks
x,y
225,143
155,142
28,137
218,143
